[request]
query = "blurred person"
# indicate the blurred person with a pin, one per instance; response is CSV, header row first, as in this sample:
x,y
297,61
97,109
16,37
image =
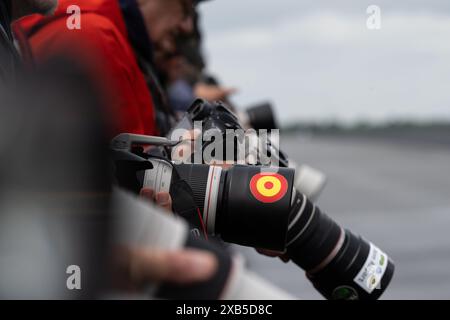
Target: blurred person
x,y
183,72
178,83
149,40
54,186
184,85
103,42
160,264
55,196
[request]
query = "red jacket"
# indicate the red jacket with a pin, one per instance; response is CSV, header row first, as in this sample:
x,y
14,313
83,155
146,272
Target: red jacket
x,y
102,44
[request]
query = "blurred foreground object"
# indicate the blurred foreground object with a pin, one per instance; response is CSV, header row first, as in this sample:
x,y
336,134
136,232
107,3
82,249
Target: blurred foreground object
x,y
54,187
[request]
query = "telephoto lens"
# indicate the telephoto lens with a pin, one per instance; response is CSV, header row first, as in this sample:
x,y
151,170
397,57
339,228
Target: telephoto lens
x,y
240,204
341,265
261,116
244,204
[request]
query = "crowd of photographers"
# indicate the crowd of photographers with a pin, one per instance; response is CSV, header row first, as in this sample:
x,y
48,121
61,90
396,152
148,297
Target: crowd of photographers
x,y
78,74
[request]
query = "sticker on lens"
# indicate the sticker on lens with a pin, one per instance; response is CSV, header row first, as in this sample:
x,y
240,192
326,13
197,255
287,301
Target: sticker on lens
x,y
268,187
371,273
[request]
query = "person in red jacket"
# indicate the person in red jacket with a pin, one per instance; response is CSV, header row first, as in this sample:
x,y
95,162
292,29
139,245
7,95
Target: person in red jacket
x,y
97,36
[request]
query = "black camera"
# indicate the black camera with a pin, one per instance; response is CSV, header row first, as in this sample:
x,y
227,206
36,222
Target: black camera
x,y
218,122
260,116
259,207
257,145
213,199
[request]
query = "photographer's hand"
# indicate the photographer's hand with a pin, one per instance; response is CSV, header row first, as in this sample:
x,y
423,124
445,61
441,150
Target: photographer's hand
x,y
137,267
163,199
274,254
213,92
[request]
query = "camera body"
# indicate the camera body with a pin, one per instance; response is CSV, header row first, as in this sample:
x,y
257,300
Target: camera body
x,y
263,145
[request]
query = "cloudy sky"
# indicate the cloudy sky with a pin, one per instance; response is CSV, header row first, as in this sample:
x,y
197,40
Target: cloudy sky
x,y
317,60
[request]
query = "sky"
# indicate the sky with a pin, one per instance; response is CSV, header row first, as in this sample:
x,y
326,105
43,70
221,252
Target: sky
x,y
316,60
